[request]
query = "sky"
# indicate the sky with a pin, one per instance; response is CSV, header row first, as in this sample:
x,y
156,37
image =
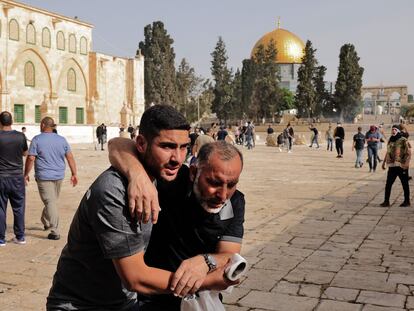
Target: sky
x,y
380,30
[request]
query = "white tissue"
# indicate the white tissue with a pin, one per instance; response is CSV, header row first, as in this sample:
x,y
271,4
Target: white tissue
x,y
237,268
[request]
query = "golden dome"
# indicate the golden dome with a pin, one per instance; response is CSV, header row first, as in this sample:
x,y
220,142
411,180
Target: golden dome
x,y
289,46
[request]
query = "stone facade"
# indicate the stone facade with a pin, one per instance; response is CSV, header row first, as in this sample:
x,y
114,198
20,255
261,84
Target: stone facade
x,y
47,68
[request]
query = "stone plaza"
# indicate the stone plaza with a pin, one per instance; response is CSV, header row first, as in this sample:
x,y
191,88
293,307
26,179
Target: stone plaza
x,y
315,236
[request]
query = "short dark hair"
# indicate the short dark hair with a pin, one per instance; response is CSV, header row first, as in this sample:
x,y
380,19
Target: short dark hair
x,y
161,117
224,150
6,118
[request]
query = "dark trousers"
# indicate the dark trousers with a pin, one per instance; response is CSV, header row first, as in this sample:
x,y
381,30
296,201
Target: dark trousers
x,y
13,189
339,145
372,156
392,174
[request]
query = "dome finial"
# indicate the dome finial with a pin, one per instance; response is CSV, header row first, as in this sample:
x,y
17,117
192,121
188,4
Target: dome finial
x,y
278,22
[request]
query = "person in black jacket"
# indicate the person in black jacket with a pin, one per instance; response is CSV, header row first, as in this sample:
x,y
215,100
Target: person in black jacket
x,y
339,135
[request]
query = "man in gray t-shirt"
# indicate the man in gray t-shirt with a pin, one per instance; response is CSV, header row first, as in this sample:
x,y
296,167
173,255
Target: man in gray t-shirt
x,y
48,152
104,254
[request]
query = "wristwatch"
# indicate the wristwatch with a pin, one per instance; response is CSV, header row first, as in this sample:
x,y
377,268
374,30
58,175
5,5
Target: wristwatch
x,y
210,261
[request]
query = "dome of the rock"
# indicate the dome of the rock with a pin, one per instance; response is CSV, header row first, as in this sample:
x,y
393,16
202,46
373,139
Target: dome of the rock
x,y
289,46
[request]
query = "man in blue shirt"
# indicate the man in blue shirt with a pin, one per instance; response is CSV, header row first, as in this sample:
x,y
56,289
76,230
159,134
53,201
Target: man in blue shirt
x,y
48,152
372,138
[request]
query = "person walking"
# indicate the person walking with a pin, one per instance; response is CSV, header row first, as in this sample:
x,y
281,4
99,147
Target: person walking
x,y
358,145
339,135
314,136
290,135
249,134
397,159
372,138
13,147
48,152
101,135
329,138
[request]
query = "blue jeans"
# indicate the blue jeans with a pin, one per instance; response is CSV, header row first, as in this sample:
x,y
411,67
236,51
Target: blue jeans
x,y
359,161
13,189
329,144
372,156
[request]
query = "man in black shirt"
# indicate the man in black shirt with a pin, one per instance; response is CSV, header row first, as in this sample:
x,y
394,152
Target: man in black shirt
x,y
202,213
339,134
358,145
222,133
13,147
101,135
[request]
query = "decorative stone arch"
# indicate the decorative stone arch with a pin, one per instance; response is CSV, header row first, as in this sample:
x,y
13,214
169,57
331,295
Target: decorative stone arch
x,y
75,98
386,92
39,57
30,96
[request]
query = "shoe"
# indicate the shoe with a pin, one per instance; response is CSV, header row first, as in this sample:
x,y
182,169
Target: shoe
x,y
280,149
338,156
290,151
310,146
2,243
356,166
360,164
385,204
405,204
20,241
53,236
45,228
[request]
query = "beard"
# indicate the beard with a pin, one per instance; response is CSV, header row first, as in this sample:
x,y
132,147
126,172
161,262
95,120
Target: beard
x,y
204,202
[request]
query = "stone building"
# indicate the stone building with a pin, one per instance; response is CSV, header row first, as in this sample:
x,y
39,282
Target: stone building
x,y
47,68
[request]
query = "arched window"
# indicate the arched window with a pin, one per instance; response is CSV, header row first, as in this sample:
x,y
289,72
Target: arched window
x,y
72,43
83,46
29,74
46,37
60,40
71,83
30,34
14,30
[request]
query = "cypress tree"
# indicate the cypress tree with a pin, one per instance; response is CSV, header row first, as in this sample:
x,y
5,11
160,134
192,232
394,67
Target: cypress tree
x,y
305,93
159,68
248,79
266,89
321,95
347,97
236,102
222,82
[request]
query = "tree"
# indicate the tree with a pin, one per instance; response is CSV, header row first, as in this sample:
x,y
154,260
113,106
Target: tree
x,y
347,97
159,68
305,93
321,94
266,87
222,82
187,83
248,80
236,101
287,100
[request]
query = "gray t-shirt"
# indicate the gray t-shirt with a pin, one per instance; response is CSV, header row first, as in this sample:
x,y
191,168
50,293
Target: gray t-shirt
x,y
50,150
101,230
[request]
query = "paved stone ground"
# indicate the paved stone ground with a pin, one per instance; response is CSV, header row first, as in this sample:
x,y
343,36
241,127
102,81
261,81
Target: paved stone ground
x,y
315,236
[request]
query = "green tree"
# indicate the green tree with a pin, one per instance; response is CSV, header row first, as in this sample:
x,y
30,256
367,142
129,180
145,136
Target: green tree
x,y
236,101
266,88
321,94
222,82
305,93
187,85
248,80
159,68
287,100
347,97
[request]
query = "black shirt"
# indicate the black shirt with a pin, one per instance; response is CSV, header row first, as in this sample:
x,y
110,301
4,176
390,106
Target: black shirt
x,y
12,146
101,230
184,229
270,130
315,130
359,140
339,132
221,135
